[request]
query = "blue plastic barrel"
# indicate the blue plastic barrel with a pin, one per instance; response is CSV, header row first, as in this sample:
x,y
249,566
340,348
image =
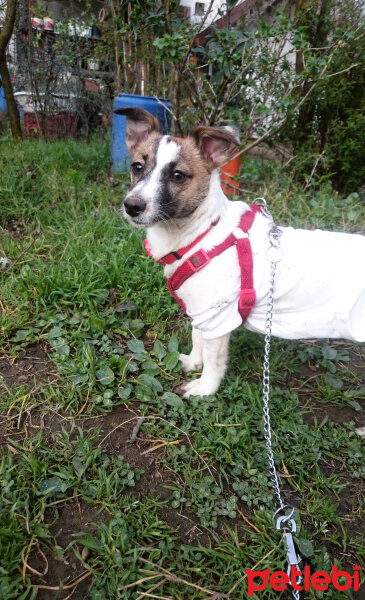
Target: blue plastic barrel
x,y
3,105
158,107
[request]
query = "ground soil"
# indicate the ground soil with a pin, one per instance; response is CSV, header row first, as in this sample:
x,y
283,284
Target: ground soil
x,y
34,367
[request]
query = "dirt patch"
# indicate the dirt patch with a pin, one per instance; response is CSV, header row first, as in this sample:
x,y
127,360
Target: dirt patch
x,y
15,229
115,436
305,383
144,453
116,430
313,409
357,361
70,517
30,368
62,566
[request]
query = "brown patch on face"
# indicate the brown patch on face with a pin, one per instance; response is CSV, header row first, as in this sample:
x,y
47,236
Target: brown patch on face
x,y
145,155
192,191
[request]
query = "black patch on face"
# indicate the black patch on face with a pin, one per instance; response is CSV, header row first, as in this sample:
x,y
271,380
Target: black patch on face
x,y
168,201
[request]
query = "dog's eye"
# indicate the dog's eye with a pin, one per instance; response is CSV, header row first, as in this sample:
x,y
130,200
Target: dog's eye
x,y
137,168
178,176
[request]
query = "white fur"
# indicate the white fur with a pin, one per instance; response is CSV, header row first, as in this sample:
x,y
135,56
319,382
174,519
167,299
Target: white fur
x,y
166,236
194,360
320,283
214,358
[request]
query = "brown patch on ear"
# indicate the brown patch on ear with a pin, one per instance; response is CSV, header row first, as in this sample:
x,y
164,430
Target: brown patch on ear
x,y
215,143
140,123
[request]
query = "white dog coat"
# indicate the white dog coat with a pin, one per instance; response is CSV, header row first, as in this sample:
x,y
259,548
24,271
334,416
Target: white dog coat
x,y
319,283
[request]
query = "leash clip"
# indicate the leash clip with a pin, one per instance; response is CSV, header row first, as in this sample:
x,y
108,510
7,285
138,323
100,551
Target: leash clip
x,y
274,253
275,234
287,525
261,202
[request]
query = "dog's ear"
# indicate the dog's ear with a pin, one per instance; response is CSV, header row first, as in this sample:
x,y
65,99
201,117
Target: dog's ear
x,y
215,143
140,123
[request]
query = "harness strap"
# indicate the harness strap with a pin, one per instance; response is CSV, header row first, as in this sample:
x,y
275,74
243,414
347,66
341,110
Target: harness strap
x,y
168,259
201,258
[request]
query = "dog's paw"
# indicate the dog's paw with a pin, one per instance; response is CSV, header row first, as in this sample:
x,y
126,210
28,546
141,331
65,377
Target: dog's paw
x,y
189,363
197,388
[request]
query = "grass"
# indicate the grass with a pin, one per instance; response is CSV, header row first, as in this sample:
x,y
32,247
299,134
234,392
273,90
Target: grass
x,y
181,512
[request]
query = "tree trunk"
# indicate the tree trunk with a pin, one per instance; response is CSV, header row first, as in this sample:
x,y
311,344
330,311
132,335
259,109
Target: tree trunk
x,y
299,59
5,35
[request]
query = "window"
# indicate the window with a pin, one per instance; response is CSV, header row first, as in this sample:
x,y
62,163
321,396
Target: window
x,y
184,12
199,9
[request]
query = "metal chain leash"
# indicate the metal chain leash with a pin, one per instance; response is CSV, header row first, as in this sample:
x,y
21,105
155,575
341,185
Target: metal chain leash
x,y
284,514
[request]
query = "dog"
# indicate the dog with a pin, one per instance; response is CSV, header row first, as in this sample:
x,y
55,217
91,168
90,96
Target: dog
x,y
215,251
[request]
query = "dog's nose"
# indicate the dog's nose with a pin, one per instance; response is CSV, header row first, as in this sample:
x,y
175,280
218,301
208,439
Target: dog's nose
x,y
134,206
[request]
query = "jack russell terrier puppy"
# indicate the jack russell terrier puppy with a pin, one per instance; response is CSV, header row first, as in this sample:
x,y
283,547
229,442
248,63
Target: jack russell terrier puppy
x,y
214,251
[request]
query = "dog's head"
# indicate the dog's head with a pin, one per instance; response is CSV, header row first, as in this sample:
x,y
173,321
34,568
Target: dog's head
x,y
170,175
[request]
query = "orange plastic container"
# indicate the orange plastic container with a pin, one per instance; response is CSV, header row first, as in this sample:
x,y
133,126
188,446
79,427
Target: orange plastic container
x,y
229,176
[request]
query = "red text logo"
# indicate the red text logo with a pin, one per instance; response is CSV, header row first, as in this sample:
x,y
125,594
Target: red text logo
x,y
319,580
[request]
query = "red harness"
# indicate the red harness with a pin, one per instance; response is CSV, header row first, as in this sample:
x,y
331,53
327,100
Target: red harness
x,y
201,258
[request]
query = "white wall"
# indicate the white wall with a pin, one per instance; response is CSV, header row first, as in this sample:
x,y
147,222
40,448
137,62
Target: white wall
x,y
195,17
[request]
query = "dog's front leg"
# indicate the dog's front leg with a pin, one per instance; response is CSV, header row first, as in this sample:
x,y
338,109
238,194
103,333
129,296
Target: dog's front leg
x,y
215,355
194,360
